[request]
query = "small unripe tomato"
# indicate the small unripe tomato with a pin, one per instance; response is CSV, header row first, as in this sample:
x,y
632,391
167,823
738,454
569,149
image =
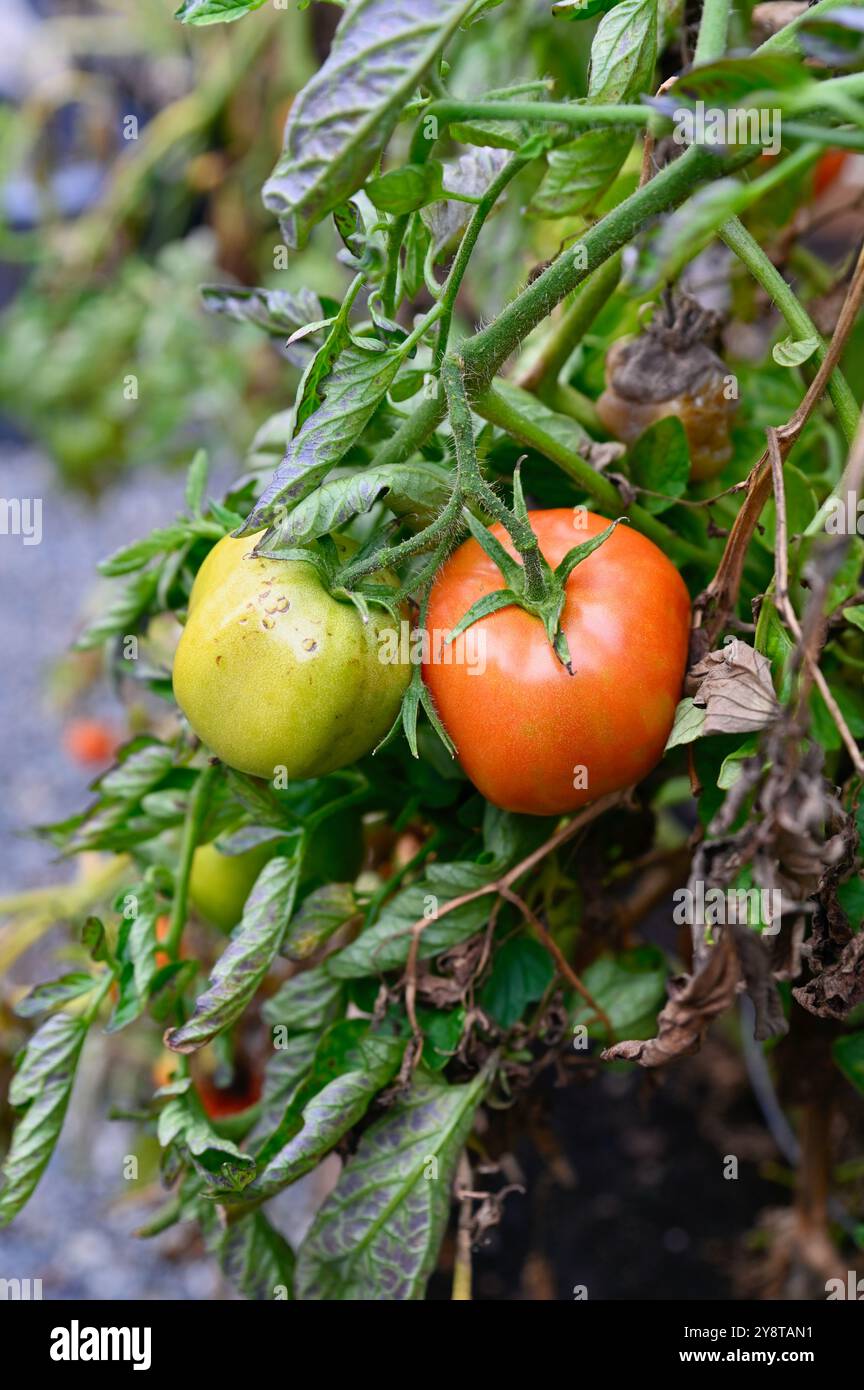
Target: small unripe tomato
x,y
273,672
219,884
531,736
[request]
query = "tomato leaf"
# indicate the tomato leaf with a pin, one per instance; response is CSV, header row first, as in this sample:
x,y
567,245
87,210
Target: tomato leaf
x,y
278,312
660,463
256,1258
628,987
329,1114
521,973
418,488
215,11
41,1087
793,351
239,971
377,1235
343,117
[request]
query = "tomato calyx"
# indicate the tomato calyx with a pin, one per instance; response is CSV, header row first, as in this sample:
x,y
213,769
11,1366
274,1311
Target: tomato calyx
x,y
548,605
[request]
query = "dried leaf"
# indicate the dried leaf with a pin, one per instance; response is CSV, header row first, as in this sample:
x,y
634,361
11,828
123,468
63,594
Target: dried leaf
x,y
735,690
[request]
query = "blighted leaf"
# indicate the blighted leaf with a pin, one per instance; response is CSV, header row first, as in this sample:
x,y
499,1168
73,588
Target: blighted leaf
x,y
323,912
735,690
359,380
344,116
385,946
256,1258
694,1001
419,488
284,1071
792,352
183,1122
836,991
49,996
242,966
330,1113
41,1087
377,1235
470,175
278,312
521,973
310,1001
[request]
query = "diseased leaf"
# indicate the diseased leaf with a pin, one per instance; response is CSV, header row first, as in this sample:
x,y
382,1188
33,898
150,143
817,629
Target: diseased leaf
x,y
377,1235
41,1087
310,1001
385,945
279,312
470,175
418,488
330,1113
241,968
48,996
323,912
285,1070
219,1161
256,1258
735,690
345,114
359,379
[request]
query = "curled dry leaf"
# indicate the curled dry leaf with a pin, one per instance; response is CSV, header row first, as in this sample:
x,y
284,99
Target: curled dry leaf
x,y
694,1001
837,990
735,690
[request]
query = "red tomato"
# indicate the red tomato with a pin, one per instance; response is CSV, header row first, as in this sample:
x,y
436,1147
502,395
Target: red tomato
x,y
219,1101
89,741
827,169
529,735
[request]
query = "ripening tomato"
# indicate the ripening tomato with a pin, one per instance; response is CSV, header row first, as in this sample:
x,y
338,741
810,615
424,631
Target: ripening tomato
x,y
272,671
531,736
219,1101
90,741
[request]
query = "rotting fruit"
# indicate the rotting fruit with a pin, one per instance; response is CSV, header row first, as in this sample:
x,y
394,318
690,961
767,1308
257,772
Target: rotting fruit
x,y
273,672
670,370
530,736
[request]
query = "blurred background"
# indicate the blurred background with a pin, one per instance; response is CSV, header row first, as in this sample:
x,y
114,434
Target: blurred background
x,y
132,154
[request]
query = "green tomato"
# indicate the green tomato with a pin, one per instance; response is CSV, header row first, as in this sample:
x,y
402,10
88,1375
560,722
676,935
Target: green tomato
x,y
272,671
219,884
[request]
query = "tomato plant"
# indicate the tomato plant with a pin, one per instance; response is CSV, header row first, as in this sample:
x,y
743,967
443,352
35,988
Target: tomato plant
x,y
509,698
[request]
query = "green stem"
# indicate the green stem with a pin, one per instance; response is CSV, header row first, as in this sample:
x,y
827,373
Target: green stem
x,y
447,302
195,813
739,240
573,325
545,112
502,412
713,30
787,37
473,485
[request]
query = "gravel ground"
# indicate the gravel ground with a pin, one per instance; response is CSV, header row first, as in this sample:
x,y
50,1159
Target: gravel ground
x,y
76,1232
